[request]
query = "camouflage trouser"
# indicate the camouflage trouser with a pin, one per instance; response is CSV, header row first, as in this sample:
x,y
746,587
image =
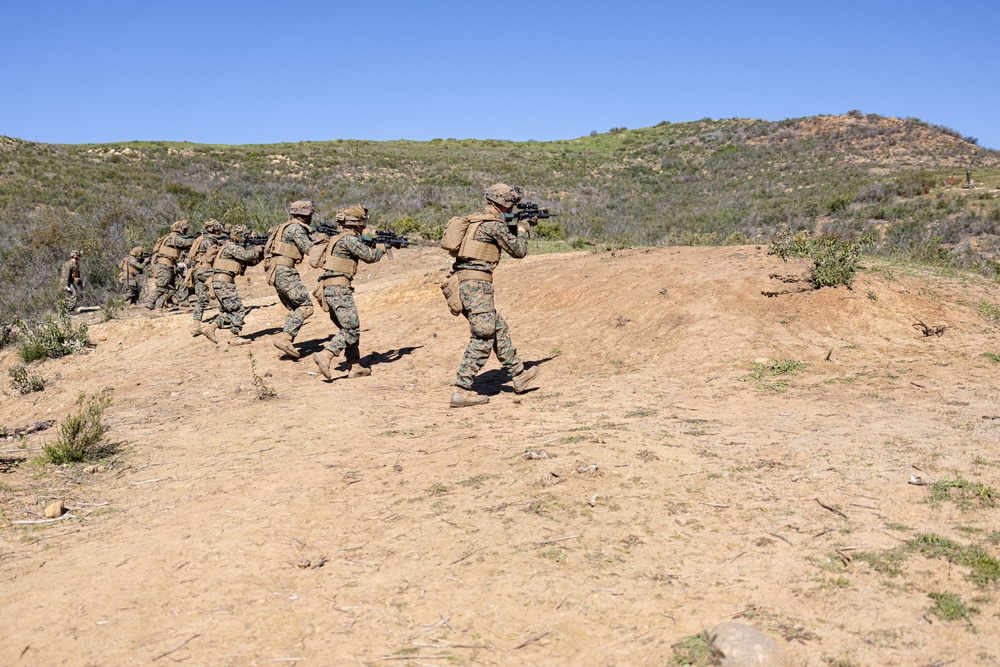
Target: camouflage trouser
x,y
344,314
181,292
71,295
489,332
294,296
131,289
232,312
164,276
201,277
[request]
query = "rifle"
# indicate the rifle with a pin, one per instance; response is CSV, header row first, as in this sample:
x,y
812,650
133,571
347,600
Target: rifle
x,y
386,237
256,240
145,257
530,212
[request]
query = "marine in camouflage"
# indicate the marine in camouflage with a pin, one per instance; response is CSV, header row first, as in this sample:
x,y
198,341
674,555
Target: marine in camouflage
x,y
231,308
340,298
70,281
292,292
488,328
164,274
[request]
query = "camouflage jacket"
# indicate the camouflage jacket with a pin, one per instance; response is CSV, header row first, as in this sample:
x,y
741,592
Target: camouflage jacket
x,y
247,256
179,241
350,246
497,233
297,234
70,273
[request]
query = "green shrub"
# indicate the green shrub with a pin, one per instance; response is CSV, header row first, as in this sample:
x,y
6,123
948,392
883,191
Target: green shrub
x,y
22,382
835,260
112,306
405,225
550,229
81,435
55,337
431,231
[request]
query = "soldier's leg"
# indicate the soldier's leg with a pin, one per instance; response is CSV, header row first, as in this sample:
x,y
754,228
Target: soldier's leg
x,y
344,314
295,297
504,348
71,299
201,294
477,305
164,277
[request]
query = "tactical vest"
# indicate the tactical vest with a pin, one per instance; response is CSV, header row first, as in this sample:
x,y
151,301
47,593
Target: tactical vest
x,y
166,254
331,262
473,249
279,252
229,266
202,259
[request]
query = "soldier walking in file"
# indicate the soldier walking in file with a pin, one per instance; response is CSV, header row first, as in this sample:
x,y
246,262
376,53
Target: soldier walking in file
x,y
231,261
70,281
339,261
166,252
289,242
487,233
132,266
203,252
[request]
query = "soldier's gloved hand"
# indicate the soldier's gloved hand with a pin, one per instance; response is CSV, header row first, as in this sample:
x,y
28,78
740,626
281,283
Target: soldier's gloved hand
x,y
525,224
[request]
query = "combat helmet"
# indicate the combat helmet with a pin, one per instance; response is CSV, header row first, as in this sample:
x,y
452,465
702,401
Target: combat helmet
x,y
353,215
213,226
503,195
76,253
181,227
302,207
239,233
137,251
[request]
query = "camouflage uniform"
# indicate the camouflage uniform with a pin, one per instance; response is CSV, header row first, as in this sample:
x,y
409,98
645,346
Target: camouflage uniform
x,y
70,282
488,328
284,254
340,298
163,271
201,269
231,307
132,267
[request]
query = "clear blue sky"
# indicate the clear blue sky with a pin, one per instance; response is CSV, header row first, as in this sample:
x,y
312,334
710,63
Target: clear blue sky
x,y
263,72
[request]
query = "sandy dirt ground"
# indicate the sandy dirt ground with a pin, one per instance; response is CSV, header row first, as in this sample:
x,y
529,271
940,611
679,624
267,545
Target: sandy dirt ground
x,y
645,491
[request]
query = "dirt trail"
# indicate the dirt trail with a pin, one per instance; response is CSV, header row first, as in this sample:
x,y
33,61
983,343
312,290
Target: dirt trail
x,y
675,495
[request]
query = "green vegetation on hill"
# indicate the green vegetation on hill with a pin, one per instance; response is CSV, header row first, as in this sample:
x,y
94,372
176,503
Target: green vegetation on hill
x,y
706,182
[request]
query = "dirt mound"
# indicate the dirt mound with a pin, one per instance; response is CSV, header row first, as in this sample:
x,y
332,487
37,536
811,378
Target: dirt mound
x,y
655,484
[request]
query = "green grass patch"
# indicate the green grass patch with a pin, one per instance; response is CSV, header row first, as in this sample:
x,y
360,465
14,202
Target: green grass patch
x,y
695,651
951,607
995,358
984,569
963,493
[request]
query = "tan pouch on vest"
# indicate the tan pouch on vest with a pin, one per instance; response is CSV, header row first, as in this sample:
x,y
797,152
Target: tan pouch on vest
x,y
270,271
449,288
189,279
318,293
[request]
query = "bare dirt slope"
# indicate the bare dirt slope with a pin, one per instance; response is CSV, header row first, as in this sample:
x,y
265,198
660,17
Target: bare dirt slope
x,y
675,495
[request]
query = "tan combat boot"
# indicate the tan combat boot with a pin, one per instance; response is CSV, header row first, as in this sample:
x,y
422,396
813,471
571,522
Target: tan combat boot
x,y
283,342
196,329
209,332
463,398
239,340
523,381
323,359
358,371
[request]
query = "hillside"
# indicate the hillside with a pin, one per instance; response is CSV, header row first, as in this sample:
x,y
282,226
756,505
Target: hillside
x,y
364,522
708,182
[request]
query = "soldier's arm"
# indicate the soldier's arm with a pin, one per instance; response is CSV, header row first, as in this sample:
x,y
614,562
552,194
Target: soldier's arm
x,y
250,256
365,253
516,246
296,235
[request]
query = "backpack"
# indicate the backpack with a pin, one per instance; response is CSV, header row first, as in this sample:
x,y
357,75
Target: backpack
x,y
458,228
